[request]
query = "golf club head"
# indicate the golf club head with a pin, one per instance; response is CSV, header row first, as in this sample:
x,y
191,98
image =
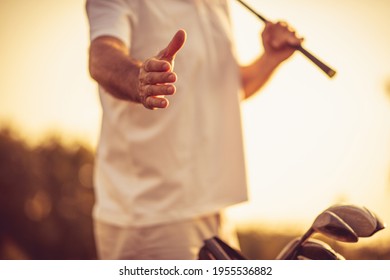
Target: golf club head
x,y
331,225
360,219
311,249
314,249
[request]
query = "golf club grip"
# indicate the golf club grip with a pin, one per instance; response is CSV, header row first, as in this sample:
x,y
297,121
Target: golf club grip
x,y
329,71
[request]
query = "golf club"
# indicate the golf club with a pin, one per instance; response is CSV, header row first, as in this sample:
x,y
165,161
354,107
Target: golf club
x,y
364,222
314,249
357,222
329,71
340,222
334,227
311,249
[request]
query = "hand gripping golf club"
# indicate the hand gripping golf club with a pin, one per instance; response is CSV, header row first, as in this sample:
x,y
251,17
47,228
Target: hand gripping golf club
x,y
329,71
341,222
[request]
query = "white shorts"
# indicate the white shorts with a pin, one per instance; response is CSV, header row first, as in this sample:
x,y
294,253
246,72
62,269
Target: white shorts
x,y
174,241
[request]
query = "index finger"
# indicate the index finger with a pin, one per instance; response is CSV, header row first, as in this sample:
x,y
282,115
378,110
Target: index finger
x,y
156,65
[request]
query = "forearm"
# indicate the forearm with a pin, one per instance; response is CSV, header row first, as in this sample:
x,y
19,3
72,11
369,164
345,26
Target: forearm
x,y
256,75
280,42
112,67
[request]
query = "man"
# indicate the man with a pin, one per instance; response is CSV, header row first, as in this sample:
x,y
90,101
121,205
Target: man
x,y
167,164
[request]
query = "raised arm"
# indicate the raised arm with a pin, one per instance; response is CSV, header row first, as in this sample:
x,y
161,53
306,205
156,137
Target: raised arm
x,y
280,42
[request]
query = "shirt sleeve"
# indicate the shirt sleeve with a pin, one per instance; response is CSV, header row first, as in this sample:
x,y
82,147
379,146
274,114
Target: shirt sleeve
x,y
109,18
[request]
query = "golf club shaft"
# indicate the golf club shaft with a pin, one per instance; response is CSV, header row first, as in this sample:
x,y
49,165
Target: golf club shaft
x,y
329,71
289,255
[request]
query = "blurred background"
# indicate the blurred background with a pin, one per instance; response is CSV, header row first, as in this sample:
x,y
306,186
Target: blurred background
x,y
310,141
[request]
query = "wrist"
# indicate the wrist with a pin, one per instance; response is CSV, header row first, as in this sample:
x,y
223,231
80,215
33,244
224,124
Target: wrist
x,y
134,83
272,61
128,82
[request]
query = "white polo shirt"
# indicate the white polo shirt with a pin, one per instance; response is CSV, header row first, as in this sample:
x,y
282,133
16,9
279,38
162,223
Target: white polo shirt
x,y
184,161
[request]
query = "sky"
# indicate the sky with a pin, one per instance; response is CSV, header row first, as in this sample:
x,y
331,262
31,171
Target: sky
x,y
310,141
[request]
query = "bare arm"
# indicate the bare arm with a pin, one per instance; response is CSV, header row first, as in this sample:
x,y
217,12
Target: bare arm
x,y
111,65
279,42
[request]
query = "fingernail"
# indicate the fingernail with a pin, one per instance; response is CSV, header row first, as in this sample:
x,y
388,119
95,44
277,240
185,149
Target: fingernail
x,y
170,90
163,103
166,67
172,77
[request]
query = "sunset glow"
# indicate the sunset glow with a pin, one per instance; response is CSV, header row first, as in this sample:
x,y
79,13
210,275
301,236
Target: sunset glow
x,y
311,141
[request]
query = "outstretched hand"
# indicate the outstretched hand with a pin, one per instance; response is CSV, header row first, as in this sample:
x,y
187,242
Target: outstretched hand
x,y
156,76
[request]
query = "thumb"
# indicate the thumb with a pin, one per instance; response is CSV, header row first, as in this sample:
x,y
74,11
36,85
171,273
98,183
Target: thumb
x,y
174,46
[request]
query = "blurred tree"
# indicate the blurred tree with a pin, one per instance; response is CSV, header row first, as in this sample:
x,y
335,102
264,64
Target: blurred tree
x,y
387,90
46,199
